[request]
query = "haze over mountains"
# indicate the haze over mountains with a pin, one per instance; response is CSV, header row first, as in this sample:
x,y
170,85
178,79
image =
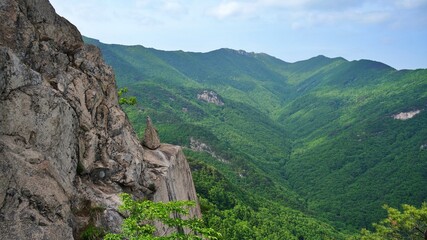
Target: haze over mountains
x,y
393,32
332,138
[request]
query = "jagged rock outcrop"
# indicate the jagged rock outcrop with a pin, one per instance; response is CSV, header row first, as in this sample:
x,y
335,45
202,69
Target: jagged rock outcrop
x,y
151,137
170,185
210,97
406,115
66,147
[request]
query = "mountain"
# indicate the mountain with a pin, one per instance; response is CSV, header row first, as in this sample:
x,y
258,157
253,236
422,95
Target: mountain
x,y
67,148
322,136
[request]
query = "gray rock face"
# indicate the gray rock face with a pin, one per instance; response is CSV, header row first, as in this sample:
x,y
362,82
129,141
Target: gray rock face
x,y
170,185
210,97
66,147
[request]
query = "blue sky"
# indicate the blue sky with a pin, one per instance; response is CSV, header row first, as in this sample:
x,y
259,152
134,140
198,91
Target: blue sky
x,y
389,31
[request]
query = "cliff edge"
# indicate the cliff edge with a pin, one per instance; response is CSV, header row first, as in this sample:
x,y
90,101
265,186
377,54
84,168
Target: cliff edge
x,y
66,147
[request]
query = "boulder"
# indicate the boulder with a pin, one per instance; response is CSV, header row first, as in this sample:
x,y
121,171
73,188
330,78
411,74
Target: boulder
x,y
151,138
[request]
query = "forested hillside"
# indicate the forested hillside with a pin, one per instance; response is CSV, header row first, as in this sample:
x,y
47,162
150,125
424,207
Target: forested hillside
x,y
284,148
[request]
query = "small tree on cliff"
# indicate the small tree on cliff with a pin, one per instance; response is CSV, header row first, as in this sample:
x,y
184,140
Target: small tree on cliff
x,y
125,100
409,224
142,215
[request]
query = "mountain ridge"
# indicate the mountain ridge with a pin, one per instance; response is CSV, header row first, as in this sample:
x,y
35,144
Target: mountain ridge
x,y
321,128
242,52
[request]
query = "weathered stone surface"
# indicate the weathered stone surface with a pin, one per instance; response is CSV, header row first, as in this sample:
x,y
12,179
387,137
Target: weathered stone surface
x,y
210,97
172,177
66,147
151,137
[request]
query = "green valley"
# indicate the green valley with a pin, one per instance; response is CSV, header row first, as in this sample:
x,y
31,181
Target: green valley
x,y
278,150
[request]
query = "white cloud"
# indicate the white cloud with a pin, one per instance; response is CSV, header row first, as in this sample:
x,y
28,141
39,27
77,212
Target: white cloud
x,y
249,8
358,28
173,7
373,17
410,3
315,18
153,13
308,13
142,3
253,7
285,4
232,9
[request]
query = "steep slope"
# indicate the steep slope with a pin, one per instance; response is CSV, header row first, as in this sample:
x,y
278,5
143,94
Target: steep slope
x,y
350,149
241,76
66,147
171,100
322,127
220,134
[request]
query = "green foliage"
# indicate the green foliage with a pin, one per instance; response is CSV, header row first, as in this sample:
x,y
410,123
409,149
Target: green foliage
x,y
125,100
142,215
240,215
411,223
316,135
92,232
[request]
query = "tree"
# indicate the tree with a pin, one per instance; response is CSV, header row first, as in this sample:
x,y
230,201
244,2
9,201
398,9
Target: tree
x,y
409,224
125,100
142,215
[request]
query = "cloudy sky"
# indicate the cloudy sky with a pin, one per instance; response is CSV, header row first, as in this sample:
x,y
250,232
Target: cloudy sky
x,y
390,31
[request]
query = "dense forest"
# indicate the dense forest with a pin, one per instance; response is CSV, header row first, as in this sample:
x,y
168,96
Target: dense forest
x,y
278,150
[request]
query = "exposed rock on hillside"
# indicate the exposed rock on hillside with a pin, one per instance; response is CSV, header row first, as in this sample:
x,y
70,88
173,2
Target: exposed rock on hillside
x,y
406,115
210,97
66,147
199,146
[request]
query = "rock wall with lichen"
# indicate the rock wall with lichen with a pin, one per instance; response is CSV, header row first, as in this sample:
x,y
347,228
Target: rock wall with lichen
x,y
66,147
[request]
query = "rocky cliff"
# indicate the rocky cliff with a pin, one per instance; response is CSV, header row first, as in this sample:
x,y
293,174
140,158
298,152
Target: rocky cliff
x,y
66,147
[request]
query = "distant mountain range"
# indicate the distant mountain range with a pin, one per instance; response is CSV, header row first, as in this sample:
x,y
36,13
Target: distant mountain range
x,y
331,139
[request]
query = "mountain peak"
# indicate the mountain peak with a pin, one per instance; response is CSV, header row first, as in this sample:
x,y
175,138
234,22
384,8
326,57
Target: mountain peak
x,y
234,51
371,64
